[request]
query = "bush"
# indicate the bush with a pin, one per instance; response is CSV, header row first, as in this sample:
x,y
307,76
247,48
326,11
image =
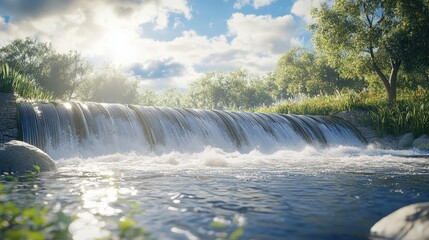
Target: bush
x,y
12,81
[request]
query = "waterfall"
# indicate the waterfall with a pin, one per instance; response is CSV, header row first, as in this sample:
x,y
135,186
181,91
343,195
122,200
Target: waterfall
x,y
72,129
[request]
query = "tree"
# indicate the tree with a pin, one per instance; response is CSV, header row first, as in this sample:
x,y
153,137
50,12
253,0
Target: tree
x,y
171,97
58,73
380,37
109,84
299,71
28,56
66,73
204,92
147,97
231,90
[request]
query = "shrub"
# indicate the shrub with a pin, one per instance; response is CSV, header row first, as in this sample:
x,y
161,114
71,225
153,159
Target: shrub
x,y
12,81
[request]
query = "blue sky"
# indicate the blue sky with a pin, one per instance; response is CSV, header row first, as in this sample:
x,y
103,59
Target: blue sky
x,y
167,43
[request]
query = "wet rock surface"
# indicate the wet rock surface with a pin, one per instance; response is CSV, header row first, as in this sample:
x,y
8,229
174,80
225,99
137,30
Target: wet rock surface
x,y
409,222
17,156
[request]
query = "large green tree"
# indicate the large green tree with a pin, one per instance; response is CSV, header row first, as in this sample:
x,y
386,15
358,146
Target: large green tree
x,y
301,71
56,72
378,37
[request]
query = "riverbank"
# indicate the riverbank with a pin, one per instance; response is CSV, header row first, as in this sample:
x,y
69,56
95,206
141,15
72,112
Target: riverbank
x,y
360,120
381,123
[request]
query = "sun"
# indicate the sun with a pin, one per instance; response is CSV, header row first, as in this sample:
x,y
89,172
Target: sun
x,y
117,45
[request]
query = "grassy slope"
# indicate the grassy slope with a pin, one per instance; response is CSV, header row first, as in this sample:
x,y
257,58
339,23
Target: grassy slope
x,y
409,114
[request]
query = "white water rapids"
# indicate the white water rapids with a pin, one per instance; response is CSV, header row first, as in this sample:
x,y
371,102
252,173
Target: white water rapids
x,y
274,176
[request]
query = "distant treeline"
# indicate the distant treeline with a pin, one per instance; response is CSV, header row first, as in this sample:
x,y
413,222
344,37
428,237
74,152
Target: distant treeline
x,y
70,77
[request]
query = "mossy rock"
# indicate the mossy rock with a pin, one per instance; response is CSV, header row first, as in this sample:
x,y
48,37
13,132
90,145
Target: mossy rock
x,y
20,157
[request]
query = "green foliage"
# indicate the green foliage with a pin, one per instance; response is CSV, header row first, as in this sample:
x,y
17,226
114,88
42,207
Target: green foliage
x,y
128,228
35,222
221,227
171,97
327,104
109,84
58,73
301,72
12,81
232,90
374,38
408,114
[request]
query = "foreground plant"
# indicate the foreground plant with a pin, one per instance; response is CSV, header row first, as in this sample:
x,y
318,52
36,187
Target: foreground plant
x,y
13,81
37,221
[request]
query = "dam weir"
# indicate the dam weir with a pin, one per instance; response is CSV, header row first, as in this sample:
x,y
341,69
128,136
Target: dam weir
x,y
74,129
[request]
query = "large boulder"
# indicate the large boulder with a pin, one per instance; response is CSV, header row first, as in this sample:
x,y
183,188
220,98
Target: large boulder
x,y
17,156
406,140
410,222
422,142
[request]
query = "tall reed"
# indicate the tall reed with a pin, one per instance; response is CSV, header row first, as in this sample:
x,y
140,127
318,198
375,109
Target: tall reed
x,y
13,81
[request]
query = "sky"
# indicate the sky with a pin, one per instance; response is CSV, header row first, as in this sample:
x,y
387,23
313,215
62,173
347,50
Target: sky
x,y
167,43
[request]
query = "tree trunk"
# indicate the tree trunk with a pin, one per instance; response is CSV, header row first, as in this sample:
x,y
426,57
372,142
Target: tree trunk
x,y
391,83
391,92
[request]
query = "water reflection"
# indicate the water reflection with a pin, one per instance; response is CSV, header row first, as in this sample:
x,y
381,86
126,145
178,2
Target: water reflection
x,y
298,198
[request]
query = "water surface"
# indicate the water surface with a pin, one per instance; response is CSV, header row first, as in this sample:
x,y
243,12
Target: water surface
x,y
334,193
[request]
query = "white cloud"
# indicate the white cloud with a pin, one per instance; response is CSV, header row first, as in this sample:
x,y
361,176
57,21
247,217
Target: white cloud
x,y
111,30
262,34
302,8
256,3
241,3
82,24
261,3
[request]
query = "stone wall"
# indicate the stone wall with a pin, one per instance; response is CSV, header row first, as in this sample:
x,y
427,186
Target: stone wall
x,y
8,125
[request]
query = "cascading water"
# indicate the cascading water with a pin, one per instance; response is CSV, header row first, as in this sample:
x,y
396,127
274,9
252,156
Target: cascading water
x,y
202,174
97,128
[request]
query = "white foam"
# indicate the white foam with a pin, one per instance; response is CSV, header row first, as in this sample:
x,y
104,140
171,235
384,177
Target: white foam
x,y
309,160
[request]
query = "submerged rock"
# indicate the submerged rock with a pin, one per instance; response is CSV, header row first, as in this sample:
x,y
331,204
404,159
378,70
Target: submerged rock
x,y
17,156
422,142
406,140
410,222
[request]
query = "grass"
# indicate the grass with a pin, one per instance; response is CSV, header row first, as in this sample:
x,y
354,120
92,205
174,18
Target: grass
x,y
408,114
11,81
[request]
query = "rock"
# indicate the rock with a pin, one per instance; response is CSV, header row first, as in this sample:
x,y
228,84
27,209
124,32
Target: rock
x,y
17,156
409,222
406,140
422,142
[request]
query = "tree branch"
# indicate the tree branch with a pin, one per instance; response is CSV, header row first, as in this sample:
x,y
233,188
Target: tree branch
x,y
367,16
378,70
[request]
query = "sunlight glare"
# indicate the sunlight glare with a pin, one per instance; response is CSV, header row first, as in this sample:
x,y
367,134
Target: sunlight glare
x,y
117,45
67,105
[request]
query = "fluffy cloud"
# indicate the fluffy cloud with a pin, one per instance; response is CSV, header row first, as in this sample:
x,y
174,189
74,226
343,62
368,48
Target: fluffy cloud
x,y
302,8
256,3
112,30
262,34
81,24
